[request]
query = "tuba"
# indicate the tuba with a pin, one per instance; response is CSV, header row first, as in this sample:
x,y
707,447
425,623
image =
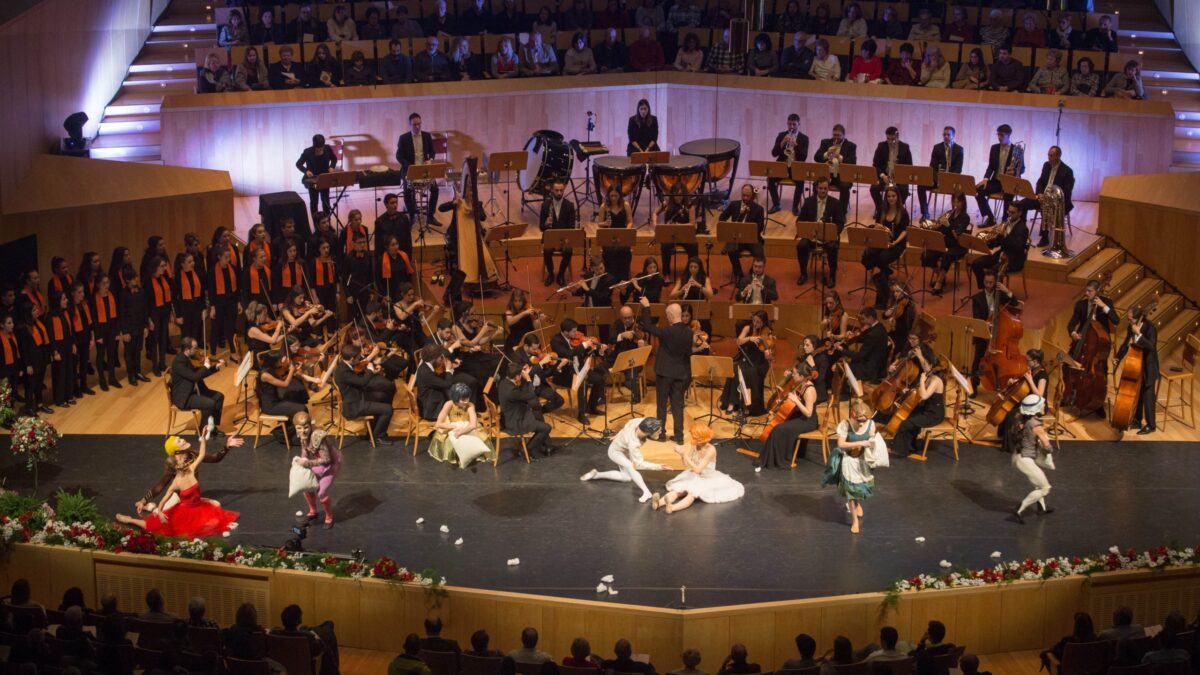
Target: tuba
x,y
1017,160
1054,216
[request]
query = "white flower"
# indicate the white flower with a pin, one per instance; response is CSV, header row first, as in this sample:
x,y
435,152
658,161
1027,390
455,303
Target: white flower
x,y
1113,549
995,554
607,578
458,542
945,564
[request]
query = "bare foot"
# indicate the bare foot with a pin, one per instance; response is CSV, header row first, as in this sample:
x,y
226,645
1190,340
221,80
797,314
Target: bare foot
x,y
124,519
854,529
858,511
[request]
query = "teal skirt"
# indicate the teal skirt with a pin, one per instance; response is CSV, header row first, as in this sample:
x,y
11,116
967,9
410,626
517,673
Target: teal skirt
x,y
833,476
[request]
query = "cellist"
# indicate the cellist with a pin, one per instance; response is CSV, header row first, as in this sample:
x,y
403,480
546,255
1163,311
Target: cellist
x,y
802,418
930,408
1092,307
984,306
1142,334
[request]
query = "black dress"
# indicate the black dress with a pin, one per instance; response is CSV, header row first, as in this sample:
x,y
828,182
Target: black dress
x,y
644,134
652,289
286,401
954,251
753,367
883,257
517,332
617,261
929,412
777,452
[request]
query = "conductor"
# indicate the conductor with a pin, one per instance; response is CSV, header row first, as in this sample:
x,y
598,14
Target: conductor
x,y
673,366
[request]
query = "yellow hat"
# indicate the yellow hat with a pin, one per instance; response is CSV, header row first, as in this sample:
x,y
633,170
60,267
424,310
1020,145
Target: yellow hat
x,y
172,445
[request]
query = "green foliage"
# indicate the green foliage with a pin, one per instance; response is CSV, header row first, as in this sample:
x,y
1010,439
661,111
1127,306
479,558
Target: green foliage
x,y
13,504
75,507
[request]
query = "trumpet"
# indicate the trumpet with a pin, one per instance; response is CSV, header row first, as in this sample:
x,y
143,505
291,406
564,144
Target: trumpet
x,y
941,222
789,148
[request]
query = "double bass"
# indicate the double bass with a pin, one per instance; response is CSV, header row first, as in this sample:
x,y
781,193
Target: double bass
x,y
1129,383
1004,360
1087,387
474,258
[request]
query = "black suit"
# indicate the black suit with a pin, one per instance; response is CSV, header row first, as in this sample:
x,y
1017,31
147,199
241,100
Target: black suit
x,y
1079,315
672,368
937,161
800,155
1064,178
880,162
1014,245
769,292
981,311
553,401
849,156
869,363
740,212
432,391
834,212
310,161
188,391
595,377
436,643
992,178
567,219
520,413
386,225
406,155
1148,342
355,402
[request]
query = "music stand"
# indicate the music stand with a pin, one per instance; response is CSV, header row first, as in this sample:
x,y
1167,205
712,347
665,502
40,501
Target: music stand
x,y
503,234
647,159
674,236
593,317
734,234
625,361
241,379
573,238
971,243
770,171
914,176
1016,186
423,172
821,234
615,237
1055,354
713,368
949,183
508,162
972,329
928,240
857,174
867,237
809,171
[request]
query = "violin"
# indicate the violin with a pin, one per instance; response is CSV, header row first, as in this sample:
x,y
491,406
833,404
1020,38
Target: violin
x,y
198,358
766,338
269,326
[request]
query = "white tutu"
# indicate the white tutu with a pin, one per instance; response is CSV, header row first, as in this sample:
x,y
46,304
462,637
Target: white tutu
x,y
710,487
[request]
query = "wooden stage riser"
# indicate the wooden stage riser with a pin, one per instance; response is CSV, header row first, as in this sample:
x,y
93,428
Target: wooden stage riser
x,y
257,136
371,614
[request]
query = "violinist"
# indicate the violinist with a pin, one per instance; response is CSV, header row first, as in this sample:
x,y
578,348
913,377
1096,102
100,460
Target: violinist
x,y
521,318
224,298
1038,380
188,391
410,322
577,348
355,399
777,451
700,345
901,312
835,322
615,212
1008,241
930,409
303,318
895,219
377,359
597,288
262,332
869,363
756,288
542,366
821,208
814,357
358,275
951,224
756,347
626,335
474,335
648,284
744,211
520,411
256,287
394,269
1143,334
434,377
558,213
323,276
984,306
288,273
280,388
675,211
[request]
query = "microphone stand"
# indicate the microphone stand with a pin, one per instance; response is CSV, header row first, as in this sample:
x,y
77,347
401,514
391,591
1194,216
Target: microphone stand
x,y
1062,103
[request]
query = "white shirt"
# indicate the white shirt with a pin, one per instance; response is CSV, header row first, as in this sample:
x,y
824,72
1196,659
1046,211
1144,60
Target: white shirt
x,y
893,148
820,209
626,441
1004,151
419,148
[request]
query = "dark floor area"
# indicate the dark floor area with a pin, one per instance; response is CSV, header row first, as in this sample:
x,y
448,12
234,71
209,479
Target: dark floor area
x,y
787,538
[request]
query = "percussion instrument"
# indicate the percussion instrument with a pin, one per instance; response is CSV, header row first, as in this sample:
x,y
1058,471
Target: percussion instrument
x,y
550,159
682,175
615,171
721,159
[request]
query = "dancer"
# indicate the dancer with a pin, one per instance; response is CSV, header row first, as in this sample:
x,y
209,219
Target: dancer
x,y
1032,454
701,480
626,452
147,500
458,438
319,453
850,464
193,516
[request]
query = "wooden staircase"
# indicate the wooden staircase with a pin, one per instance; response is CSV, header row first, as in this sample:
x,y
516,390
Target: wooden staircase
x,y
130,129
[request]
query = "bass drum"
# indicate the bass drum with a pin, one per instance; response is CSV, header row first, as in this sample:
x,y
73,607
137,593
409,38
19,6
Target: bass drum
x,y
550,159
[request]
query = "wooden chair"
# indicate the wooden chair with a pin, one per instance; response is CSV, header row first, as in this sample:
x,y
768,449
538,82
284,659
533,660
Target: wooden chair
x,y
860,668
146,658
498,434
416,425
821,433
1185,380
943,663
294,652
243,667
528,668
340,421
903,666
150,634
261,419
815,670
1085,658
173,412
479,665
439,663
204,640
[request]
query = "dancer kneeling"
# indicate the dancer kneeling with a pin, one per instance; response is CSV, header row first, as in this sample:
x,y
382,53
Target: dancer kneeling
x,y
193,516
701,480
850,463
458,439
626,452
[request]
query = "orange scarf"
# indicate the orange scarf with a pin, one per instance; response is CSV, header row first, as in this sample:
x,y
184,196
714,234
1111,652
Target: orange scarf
x,y
221,282
387,264
189,285
61,282
77,318
59,322
324,273
350,237
266,247
11,352
38,330
106,308
290,274
259,282
36,298
162,290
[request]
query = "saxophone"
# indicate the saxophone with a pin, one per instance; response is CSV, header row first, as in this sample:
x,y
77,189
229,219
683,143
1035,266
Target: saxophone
x,y
1054,216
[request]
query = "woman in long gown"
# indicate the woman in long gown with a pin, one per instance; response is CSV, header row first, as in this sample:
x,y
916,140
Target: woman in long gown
x,y
458,439
755,351
777,451
701,480
850,464
616,213
193,516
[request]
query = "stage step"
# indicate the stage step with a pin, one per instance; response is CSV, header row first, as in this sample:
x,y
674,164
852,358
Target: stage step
x,y
130,124
1105,259
160,78
1168,305
1141,294
127,140
128,153
1175,332
1125,277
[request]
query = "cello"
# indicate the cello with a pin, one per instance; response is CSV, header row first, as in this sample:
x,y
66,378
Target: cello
x,y
1004,360
1087,387
1129,383
786,406
474,258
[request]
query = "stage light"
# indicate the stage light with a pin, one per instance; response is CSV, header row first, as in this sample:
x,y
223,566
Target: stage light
x,y
75,144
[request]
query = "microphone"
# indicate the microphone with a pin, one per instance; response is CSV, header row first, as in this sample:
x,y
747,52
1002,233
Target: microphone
x,y
1062,103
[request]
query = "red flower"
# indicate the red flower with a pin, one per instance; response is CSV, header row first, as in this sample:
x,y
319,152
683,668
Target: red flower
x,y
407,576
1076,560
25,534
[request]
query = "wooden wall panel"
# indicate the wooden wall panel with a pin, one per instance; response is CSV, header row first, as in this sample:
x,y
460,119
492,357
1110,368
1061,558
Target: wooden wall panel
x,y
258,137
60,57
1141,227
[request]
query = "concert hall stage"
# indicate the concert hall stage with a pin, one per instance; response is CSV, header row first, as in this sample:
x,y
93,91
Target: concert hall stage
x,y
787,538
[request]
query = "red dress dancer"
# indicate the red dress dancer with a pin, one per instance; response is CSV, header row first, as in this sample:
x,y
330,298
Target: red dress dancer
x,y
192,517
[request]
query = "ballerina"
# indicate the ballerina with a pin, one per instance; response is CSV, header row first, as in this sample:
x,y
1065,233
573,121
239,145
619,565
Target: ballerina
x,y
701,480
193,516
626,452
850,464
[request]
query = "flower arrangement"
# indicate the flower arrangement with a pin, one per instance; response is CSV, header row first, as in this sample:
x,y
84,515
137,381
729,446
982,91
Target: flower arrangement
x,y
35,439
7,414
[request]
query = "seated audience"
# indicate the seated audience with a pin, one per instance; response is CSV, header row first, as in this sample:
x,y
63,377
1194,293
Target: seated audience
x,y
791,20
340,27
820,23
213,77
1064,36
197,607
266,31
20,597
409,663
853,25
691,659
1085,81
1102,38
1122,626
904,70
73,597
722,58
825,66
545,24
890,648
1029,34
933,642
242,640
1083,632
396,67
372,27
611,55
1007,73
465,64
646,53
736,663
479,645
433,640
505,63
1172,647
842,654
888,26
431,65
578,59
538,57
529,653
235,33
442,22
969,665
612,16
935,72
994,33
1127,84
623,661
578,18
867,66
358,73
924,30
251,73
285,73
323,70
306,27
807,647
797,59
1051,77
690,59
581,655
154,607
958,28
973,74
405,27
762,60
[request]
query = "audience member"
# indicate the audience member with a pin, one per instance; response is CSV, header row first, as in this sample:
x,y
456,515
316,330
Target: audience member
x,y
405,27
396,67
433,640
612,16
1051,77
340,27
1127,84
807,647
933,642
1007,73
611,55
890,647
431,65
842,654
1064,36
935,72
529,653
649,15
578,18
408,663
969,665
958,28
820,23
73,597
973,74
797,59
762,60
1171,646
505,63
154,607
1029,34
285,73
358,73
578,59
1103,37
475,20
720,16
646,53
867,67
508,21
888,26
251,73
691,659
581,655
213,77
623,661
305,27
20,597
1122,626
791,20
994,33
108,606
545,24
1082,632
197,607
689,59
722,59
904,71
825,66
736,664
266,31
684,14
235,33
291,618
538,57
853,25
322,69
1085,81
441,21
243,639
479,645
924,29
466,65
372,27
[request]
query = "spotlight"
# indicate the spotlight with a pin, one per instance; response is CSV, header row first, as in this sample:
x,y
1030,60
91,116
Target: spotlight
x,y
299,533
75,144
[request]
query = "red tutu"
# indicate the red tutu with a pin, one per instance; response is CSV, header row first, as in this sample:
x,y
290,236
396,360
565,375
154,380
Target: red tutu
x,y
192,517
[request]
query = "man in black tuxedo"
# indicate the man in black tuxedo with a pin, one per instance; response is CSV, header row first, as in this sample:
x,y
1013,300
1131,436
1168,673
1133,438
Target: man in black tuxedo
x,y
790,146
520,412
1054,172
539,374
756,288
355,398
433,640
1091,307
1001,160
1142,334
888,154
313,162
587,402
820,208
836,151
558,213
984,306
673,363
416,147
745,210
945,156
432,386
188,391
1013,245
597,292
869,363
624,338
